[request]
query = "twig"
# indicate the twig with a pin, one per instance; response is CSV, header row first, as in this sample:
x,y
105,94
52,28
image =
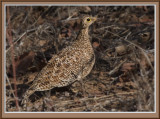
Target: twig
x,y
102,100
142,50
10,40
70,16
69,19
106,27
141,93
12,91
10,86
20,38
41,16
116,68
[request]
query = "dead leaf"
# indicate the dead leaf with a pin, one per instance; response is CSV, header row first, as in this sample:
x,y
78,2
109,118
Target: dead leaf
x,y
23,62
145,18
85,9
96,44
42,42
121,49
145,36
143,62
127,66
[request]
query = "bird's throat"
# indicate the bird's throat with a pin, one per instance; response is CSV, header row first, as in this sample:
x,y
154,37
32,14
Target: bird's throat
x,y
83,35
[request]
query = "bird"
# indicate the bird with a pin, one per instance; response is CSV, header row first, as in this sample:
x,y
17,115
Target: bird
x,y
73,63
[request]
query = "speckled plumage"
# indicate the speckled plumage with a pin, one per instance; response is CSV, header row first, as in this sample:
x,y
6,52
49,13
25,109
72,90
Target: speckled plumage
x,y
72,63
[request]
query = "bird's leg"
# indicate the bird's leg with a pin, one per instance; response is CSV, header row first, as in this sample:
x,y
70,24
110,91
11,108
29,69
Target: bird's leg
x,y
26,97
82,82
48,93
83,87
24,103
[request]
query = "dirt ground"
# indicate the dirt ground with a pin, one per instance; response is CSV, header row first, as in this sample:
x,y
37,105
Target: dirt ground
x,y
122,79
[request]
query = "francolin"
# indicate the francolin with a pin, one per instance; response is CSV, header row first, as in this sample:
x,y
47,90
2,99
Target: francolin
x,y
71,64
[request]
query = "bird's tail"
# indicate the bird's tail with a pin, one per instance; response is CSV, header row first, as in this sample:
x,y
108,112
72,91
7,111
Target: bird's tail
x,y
25,98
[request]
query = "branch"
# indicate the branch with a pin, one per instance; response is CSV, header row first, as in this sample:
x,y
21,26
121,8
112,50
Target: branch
x,y
10,40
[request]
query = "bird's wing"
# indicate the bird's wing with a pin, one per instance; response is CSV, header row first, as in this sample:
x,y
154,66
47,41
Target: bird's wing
x,y
61,69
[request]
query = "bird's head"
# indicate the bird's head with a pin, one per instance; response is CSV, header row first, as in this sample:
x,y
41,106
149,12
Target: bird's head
x,y
87,21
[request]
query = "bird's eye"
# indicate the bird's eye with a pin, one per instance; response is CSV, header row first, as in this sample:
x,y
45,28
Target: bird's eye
x,y
88,19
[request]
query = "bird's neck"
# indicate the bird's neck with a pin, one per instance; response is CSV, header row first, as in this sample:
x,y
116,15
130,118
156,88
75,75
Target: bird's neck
x,y
83,35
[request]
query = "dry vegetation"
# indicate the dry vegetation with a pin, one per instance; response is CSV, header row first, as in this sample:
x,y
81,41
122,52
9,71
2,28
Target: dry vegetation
x,y
123,40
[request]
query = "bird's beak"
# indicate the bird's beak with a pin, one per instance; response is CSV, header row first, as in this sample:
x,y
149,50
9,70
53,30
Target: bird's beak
x,y
94,18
